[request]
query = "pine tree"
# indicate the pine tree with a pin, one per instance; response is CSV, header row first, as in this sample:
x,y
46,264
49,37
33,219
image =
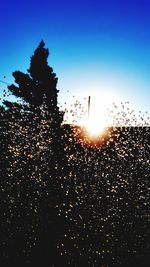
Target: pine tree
x,y
39,85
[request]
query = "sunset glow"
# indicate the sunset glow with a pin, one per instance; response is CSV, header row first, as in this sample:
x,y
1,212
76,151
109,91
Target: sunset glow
x,y
99,118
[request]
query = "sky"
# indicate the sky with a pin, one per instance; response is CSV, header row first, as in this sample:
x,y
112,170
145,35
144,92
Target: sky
x,y
95,46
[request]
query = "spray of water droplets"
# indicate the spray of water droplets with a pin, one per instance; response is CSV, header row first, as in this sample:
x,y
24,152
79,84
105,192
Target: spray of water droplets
x,y
68,199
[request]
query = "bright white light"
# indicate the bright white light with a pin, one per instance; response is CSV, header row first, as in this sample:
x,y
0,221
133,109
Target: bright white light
x,y
99,118
94,128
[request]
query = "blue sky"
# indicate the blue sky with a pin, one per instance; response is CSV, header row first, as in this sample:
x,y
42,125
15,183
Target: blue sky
x,y
94,45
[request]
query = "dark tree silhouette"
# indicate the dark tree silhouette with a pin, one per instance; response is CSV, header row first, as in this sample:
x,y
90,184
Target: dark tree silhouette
x,y
33,133
39,84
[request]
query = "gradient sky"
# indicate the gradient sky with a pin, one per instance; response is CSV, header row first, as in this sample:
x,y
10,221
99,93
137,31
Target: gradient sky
x,y
94,45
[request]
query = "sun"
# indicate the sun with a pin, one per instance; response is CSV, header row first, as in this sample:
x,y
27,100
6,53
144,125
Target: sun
x,y
94,129
97,119
98,116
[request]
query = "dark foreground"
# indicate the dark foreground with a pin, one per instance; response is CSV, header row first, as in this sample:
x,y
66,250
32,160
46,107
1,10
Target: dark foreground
x,y
64,203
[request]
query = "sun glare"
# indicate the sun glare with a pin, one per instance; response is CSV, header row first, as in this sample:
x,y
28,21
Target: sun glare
x,y
94,128
96,118
99,119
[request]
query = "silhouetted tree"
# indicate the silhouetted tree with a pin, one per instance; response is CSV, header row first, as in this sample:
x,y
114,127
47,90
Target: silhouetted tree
x,y
38,85
35,158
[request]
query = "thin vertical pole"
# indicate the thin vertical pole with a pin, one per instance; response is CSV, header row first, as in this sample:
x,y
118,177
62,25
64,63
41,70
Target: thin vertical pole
x,y
89,103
